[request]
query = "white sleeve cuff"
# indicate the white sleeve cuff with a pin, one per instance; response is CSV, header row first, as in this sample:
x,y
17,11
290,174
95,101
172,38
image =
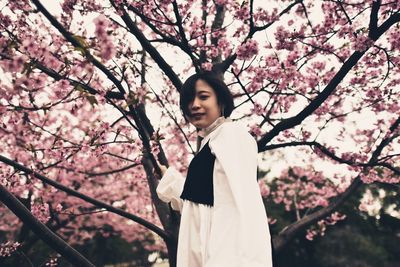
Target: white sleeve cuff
x,y
170,188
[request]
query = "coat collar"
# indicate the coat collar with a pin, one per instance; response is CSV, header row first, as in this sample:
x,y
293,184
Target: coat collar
x,y
206,131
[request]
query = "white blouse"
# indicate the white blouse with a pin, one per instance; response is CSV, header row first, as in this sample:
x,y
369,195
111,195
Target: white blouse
x,y
234,231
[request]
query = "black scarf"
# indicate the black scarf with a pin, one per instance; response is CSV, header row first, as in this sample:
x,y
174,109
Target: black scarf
x,y
198,186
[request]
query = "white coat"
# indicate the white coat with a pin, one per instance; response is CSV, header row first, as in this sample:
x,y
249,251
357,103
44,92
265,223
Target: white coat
x,y
234,231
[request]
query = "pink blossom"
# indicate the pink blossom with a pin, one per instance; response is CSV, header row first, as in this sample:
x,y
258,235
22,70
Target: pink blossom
x,y
101,23
16,64
255,130
61,88
258,109
68,6
263,16
322,202
221,2
32,48
51,62
8,248
38,81
199,42
283,38
394,40
362,43
214,52
40,211
254,86
52,262
223,43
306,134
22,5
59,208
318,65
5,20
242,12
3,109
207,66
107,48
107,51
247,50
265,191
367,178
155,148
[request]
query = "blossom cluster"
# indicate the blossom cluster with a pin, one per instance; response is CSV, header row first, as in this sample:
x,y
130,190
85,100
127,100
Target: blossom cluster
x,y
8,248
264,189
263,16
52,262
242,12
16,64
41,211
247,50
301,188
107,48
322,224
362,43
258,109
255,130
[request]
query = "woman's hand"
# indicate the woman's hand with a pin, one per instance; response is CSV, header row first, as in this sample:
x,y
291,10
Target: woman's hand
x,y
163,168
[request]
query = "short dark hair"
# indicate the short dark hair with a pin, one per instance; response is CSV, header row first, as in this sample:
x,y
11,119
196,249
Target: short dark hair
x,y
188,92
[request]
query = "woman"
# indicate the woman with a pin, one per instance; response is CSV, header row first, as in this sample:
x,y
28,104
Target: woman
x,y
223,222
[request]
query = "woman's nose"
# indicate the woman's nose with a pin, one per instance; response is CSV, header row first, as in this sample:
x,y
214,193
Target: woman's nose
x,y
195,104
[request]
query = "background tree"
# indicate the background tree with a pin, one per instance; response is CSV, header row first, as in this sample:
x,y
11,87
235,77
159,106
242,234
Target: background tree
x,y
77,106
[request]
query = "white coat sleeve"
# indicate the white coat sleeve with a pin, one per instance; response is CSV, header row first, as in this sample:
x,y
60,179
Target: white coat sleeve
x,y
236,152
170,188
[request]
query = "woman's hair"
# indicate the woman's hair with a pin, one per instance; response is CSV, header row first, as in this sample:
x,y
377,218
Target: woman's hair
x,y
188,92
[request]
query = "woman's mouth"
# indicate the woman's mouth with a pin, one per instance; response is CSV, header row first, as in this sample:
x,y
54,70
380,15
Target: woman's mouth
x,y
197,116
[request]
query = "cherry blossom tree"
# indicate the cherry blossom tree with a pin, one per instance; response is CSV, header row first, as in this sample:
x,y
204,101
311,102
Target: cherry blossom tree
x,y
79,88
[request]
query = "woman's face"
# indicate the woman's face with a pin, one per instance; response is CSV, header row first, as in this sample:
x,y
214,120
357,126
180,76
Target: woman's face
x,y
204,107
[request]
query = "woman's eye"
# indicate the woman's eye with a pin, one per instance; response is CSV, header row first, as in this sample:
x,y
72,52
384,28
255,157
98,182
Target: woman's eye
x,y
203,97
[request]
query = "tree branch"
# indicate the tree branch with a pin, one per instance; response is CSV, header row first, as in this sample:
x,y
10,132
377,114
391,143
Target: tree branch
x,y
373,21
86,198
150,49
216,26
328,153
328,90
185,43
292,230
41,230
224,65
77,44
